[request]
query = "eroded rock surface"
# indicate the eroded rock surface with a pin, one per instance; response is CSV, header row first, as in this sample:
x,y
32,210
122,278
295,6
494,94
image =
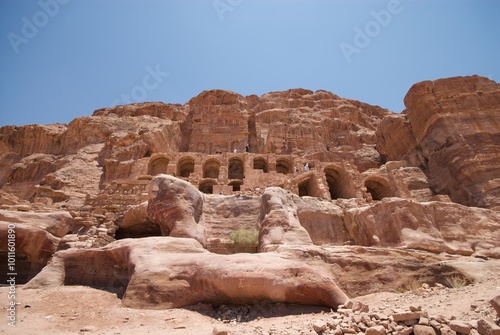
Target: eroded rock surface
x,y
338,191
279,222
431,226
177,207
451,127
37,237
167,272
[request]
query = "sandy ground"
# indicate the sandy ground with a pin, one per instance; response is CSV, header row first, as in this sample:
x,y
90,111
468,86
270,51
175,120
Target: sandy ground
x,y
84,310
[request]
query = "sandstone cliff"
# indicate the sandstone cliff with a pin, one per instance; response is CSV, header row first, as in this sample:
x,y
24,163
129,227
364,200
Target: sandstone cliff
x,y
366,198
451,128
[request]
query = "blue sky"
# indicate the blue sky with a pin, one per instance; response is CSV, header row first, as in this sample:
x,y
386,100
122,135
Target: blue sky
x,y
61,59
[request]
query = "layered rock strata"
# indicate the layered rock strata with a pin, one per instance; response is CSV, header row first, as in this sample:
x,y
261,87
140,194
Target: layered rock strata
x,y
451,128
35,238
345,198
166,272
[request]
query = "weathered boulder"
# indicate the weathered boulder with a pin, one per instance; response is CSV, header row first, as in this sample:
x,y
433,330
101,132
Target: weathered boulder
x,y
362,270
166,272
488,327
460,326
424,330
279,222
376,330
37,237
430,226
495,303
177,206
323,220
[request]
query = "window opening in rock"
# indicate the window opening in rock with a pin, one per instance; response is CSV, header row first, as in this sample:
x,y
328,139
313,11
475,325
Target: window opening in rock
x,y
283,166
377,189
260,164
211,169
340,184
310,187
235,169
304,188
207,187
157,166
185,167
236,186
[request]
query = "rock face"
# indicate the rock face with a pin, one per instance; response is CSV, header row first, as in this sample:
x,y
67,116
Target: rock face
x,y
137,223
451,128
166,272
279,222
338,198
36,238
495,302
430,226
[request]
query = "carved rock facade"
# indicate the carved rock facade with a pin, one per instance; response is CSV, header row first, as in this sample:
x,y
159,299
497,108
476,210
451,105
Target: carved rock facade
x,y
348,189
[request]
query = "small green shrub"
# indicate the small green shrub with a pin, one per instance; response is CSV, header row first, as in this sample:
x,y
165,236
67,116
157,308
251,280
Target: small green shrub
x,y
457,281
245,237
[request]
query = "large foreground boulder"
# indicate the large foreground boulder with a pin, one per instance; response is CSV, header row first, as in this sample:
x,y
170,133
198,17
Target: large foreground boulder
x,y
279,222
177,206
166,272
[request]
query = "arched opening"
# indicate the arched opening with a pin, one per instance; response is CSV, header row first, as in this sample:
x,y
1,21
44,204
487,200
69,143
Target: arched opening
x,y
304,188
211,169
340,184
207,187
309,187
185,167
379,189
236,186
283,166
260,164
157,166
235,169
